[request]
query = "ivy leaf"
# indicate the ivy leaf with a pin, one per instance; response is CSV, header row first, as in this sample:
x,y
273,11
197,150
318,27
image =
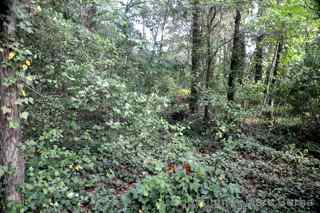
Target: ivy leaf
x,y
24,115
14,124
5,110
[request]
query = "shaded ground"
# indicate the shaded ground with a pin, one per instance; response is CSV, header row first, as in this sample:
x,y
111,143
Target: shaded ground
x,y
265,159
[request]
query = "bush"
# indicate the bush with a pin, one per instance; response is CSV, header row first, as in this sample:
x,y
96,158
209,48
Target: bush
x,y
183,191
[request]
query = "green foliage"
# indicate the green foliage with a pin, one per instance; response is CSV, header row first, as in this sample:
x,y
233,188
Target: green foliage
x,y
227,117
252,93
303,89
182,192
95,136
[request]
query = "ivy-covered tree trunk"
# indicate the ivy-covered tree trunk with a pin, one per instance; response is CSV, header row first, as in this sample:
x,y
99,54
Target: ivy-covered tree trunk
x,y
196,54
11,155
235,58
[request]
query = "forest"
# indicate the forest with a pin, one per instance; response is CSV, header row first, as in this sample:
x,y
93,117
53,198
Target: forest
x,y
145,106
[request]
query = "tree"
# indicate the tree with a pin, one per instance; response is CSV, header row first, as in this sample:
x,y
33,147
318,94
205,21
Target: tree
x,y
242,58
259,48
316,7
210,21
259,59
275,69
196,54
87,15
10,153
235,58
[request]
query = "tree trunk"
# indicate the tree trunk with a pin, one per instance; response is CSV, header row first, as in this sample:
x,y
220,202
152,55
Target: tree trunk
x,y
210,19
275,70
87,15
235,58
258,59
196,54
275,67
270,69
10,152
242,59
163,25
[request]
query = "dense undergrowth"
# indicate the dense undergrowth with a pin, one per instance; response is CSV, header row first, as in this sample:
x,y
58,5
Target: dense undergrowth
x,y
133,160
101,136
238,174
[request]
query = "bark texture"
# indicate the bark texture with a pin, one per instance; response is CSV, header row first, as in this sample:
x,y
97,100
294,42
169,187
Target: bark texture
x,y
275,70
210,56
196,54
10,152
235,58
259,59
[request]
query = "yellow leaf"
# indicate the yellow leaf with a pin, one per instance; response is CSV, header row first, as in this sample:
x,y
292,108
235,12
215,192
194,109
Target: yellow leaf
x,y
77,168
24,67
39,9
11,55
29,78
23,93
28,63
201,204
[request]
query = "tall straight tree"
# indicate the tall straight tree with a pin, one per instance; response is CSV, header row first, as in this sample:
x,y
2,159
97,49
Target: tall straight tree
x,y
196,54
10,135
259,59
236,60
88,13
242,58
210,20
275,68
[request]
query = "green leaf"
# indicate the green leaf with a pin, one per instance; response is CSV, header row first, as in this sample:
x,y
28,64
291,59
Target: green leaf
x,y
14,124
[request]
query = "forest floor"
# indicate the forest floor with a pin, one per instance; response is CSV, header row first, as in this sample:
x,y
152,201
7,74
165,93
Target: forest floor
x,y
275,162
263,166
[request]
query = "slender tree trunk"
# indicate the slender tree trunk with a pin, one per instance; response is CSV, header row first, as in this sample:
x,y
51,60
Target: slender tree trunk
x,y
196,54
88,13
275,69
226,57
144,28
259,59
242,59
165,18
210,19
208,77
235,58
10,152
270,69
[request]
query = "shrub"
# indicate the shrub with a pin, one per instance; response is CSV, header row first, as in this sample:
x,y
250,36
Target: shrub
x,y
183,191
